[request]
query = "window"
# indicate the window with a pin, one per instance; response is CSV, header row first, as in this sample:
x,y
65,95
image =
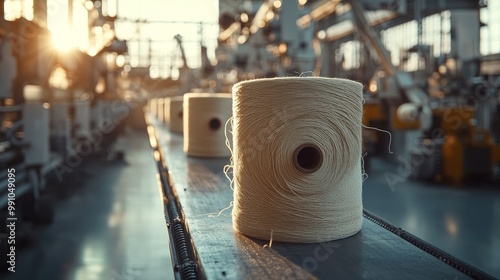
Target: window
x,y
435,32
489,36
350,54
14,9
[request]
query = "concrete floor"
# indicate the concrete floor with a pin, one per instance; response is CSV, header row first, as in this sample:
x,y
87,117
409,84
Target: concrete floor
x,y
110,227
464,222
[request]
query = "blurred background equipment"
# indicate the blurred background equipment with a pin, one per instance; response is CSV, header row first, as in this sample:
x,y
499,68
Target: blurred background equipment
x,y
52,73
422,63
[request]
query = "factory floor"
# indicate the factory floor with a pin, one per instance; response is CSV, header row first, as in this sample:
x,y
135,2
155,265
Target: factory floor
x,y
463,221
110,226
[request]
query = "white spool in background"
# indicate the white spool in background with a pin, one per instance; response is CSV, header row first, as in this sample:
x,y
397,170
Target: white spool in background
x,y
95,116
36,133
297,158
60,94
82,115
205,115
59,119
408,112
160,110
174,113
103,114
36,126
34,93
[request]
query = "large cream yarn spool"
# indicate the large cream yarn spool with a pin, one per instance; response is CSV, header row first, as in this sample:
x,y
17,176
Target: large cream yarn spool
x,y
205,116
174,113
297,158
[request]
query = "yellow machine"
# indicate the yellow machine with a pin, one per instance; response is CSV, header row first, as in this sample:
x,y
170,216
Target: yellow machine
x,y
467,151
372,112
460,151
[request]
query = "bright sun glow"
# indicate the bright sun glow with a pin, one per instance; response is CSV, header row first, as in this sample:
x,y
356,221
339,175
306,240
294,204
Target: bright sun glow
x,y
67,35
63,40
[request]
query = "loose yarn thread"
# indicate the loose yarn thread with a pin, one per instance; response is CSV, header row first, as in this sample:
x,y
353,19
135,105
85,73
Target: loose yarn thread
x,y
203,124
296,158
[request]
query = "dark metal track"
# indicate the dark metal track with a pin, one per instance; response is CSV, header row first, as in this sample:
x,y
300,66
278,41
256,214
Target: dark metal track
x,y
184,259
428,248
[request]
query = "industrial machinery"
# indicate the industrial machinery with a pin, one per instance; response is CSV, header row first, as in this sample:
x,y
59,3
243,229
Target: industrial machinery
x,y
25,118
262,40
188,79
458,150
48,97
410,94
436,96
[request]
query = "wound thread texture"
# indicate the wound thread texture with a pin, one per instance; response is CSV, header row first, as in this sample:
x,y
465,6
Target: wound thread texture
x,y
297,158
205,115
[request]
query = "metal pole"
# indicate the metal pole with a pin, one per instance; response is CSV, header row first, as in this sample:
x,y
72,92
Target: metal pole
x,y
2,13
70,14
368,35
149,52
419,6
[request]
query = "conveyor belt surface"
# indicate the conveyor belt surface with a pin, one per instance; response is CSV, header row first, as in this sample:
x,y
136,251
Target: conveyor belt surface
x,y
199,188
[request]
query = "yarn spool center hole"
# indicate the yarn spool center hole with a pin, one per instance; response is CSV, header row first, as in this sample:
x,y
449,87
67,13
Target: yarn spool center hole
x,y
308,158
214,124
